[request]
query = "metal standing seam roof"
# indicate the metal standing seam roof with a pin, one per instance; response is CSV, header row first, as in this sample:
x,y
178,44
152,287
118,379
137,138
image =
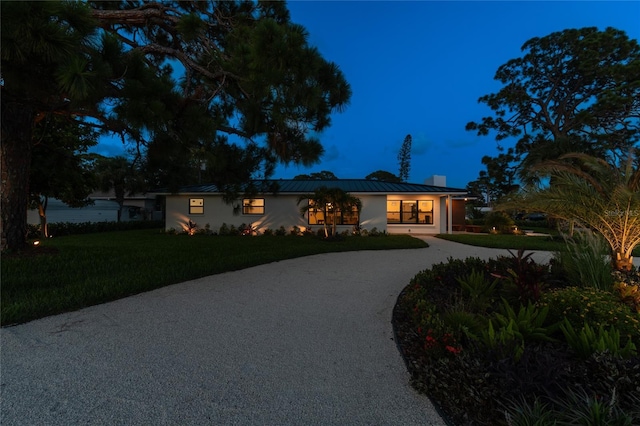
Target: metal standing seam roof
x,y
294,186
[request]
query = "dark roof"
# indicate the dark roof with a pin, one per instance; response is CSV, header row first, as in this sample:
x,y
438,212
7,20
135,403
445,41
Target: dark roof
x,y
294,186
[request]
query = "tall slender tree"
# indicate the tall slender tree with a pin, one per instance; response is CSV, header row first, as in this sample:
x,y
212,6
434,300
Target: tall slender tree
x,y
245,70
404,159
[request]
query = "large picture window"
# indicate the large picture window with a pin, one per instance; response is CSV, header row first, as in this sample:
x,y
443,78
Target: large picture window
x,y
410,211
253,206
317,216
196,205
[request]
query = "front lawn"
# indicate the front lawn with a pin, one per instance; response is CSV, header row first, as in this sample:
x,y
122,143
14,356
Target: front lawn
x,y
72,272
507,241
551,243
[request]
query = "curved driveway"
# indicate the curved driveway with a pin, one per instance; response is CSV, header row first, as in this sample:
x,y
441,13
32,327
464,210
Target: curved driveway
x,y
305,341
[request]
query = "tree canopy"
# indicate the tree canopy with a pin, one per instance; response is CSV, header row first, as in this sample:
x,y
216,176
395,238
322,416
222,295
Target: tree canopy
x,y
383,175
578,87
172,79
498,180
323,175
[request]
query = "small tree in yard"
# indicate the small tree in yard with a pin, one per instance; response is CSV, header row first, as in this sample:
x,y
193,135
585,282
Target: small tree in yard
x,y
596,194
60,165
329,201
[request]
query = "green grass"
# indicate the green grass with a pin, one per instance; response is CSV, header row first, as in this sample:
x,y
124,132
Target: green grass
x,y
514,242
97,268
505,241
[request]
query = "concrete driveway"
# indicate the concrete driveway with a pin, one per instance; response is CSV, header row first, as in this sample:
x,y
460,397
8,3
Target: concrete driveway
x,y
300,342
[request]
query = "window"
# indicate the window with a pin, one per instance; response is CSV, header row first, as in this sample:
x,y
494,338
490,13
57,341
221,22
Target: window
x,y
393,211
410,211
196,205
347,217
253,206
316,217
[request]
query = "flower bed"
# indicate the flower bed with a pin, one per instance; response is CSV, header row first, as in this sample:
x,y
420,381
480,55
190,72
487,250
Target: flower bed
x,y
509,341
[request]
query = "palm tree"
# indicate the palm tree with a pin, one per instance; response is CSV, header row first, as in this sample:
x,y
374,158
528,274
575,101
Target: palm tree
x,y
596,194
342,201
329,201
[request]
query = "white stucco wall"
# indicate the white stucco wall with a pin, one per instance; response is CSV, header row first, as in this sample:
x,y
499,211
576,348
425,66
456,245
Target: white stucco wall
x,y
283,210
280,210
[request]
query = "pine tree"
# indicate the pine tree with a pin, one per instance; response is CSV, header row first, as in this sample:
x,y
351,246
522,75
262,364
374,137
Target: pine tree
x,y
404,159
248,72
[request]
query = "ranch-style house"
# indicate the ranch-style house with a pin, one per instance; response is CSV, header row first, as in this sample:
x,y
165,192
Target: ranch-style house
x,y
397,208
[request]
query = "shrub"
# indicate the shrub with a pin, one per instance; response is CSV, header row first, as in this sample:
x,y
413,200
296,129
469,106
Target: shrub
x,y
581,407
529,322
376,233
588,341
586,261
629,294
500,222
523,277
479,290
463,323
295,231
59,229
520,412
595,307
224,229
472,361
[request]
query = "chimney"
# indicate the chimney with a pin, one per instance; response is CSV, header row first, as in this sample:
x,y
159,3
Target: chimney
x,y
436,180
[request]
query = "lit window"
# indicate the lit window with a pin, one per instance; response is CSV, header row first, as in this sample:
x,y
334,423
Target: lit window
x,y
253,206
393,211
347,217
425,212
196,205
410,211
316,216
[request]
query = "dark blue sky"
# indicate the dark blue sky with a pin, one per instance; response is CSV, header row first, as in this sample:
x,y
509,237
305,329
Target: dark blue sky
x,y
419,67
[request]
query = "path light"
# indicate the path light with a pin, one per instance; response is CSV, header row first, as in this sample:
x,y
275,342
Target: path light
x,y
36,243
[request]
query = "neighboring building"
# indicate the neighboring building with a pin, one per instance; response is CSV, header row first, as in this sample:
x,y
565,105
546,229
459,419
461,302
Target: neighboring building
x,y
57,211
397,208
103,209
135,206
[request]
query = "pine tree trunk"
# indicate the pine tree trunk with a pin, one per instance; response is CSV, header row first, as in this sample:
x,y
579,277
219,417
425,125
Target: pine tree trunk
x,y
42,211
15,161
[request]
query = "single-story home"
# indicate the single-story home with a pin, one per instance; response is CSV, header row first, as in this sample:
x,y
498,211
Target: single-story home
x,y
397,208
104,209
